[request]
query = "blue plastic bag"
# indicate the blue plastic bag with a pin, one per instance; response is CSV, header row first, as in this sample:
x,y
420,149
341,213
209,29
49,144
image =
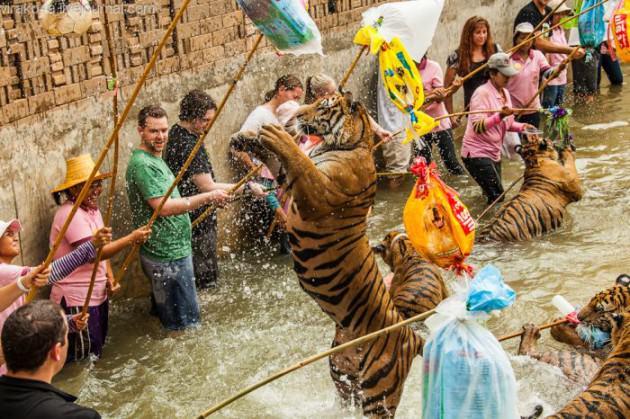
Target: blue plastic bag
x,y
488,292
591,24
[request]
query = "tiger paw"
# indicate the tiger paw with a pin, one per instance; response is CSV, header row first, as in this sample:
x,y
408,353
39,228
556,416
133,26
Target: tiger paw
x,y
273,136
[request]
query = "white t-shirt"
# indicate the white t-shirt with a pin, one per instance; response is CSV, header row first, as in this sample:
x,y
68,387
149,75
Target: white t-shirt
x,y
389,116
286,111
258,117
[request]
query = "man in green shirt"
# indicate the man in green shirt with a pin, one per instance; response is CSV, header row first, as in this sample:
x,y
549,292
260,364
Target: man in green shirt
x,y
166,257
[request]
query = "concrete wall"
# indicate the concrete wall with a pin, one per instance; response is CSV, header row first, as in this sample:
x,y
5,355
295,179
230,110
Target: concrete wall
x,y
35,146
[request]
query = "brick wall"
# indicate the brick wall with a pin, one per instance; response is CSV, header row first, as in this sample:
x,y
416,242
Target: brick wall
x,y
39,72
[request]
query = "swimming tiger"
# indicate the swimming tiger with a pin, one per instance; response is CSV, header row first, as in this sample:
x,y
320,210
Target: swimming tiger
x,y
417,286
608,394
550,183
332,193
613,299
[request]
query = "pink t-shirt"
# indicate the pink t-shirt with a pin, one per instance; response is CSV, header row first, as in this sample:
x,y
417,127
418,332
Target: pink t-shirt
x,y
8,275
74,287
433,78
485,131
525,84
558,36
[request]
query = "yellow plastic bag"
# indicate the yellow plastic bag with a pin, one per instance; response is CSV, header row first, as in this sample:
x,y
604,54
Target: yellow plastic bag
x,y
620,27
437,222
401,78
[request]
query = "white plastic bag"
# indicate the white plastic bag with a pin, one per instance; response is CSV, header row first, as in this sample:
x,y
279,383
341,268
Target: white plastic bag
x,y
466,374
510,141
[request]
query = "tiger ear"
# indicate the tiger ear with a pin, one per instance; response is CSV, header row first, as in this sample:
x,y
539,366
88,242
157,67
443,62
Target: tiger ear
x,y
618,319
543,145
379,249
623,279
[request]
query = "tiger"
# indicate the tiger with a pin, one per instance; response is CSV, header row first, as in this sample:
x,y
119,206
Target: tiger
x,y
613,299
551,182
417,287
333,190
608,394
580,366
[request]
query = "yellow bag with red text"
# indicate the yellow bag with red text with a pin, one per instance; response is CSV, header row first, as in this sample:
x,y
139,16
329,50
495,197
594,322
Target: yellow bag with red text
x,y
620,28
437,222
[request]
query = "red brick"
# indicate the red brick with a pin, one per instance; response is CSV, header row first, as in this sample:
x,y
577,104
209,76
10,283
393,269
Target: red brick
x,y
94,86
5,76
41,102
59,78
15,110
34,68
67,94
223,36
151,38
234,48
76,55
200,42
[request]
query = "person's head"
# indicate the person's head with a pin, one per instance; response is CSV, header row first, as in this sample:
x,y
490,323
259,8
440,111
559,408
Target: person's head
x,y
500,69
197,109
475,34
562,12
9,240
153,129
35,337
78,170
542,3
522,32
287,87
318,86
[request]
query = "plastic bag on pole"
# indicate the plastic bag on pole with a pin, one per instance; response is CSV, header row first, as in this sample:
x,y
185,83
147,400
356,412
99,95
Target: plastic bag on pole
x,y
286,24
620,27
591,24
467,374
488,291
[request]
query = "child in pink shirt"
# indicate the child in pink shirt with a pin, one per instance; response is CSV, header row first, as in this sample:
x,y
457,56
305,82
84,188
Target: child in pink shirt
x,y
481,147
433,83
553,95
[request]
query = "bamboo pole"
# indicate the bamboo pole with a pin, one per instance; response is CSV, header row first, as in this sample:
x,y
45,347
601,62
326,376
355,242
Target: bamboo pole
x,y
353,65
451,89
112,185
385,174
499,197
192,154
110,141
526,109
541,327
17,216
314,358
231,191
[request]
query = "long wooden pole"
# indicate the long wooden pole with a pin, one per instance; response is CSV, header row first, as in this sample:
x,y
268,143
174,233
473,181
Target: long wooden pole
x,y
526,109
314,358
192,155
232,190
496,201
451,89
112,138
349,71
112,185
17,216
542,327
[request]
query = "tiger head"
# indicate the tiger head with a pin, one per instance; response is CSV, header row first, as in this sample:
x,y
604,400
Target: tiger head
x,y
341,122
613,300
393,248
534,148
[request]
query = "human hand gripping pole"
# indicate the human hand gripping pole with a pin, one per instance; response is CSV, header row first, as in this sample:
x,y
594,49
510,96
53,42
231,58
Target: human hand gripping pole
x,y
113,136
192,154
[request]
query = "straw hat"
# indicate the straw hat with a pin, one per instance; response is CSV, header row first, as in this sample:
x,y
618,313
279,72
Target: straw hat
x,y
78,170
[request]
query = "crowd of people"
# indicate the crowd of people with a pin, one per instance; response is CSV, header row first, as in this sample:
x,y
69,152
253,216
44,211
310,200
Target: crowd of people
x,y
179,257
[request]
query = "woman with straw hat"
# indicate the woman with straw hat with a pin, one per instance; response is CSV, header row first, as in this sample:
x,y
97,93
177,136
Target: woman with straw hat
x,y
71,293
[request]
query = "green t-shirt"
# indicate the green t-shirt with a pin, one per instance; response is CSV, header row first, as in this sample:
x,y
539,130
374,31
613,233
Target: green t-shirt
x,y
149,177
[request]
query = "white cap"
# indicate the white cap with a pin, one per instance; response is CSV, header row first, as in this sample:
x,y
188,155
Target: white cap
x,y
11,225
524,27
563,8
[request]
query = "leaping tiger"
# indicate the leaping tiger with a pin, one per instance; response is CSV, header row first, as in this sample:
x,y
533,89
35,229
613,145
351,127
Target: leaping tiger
x,y
551,182
332,193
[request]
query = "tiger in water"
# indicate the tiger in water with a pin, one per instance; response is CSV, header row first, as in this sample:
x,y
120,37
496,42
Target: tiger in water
x,y
608,394
581,365
551,182
416,287
333,190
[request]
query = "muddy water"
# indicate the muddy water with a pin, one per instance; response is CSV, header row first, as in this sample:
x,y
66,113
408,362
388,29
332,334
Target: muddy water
x,y
259,321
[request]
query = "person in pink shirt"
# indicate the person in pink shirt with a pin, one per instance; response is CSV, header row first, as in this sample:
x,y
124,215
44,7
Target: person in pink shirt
x,y
481,147
433,83
71,293
531,64
553,95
